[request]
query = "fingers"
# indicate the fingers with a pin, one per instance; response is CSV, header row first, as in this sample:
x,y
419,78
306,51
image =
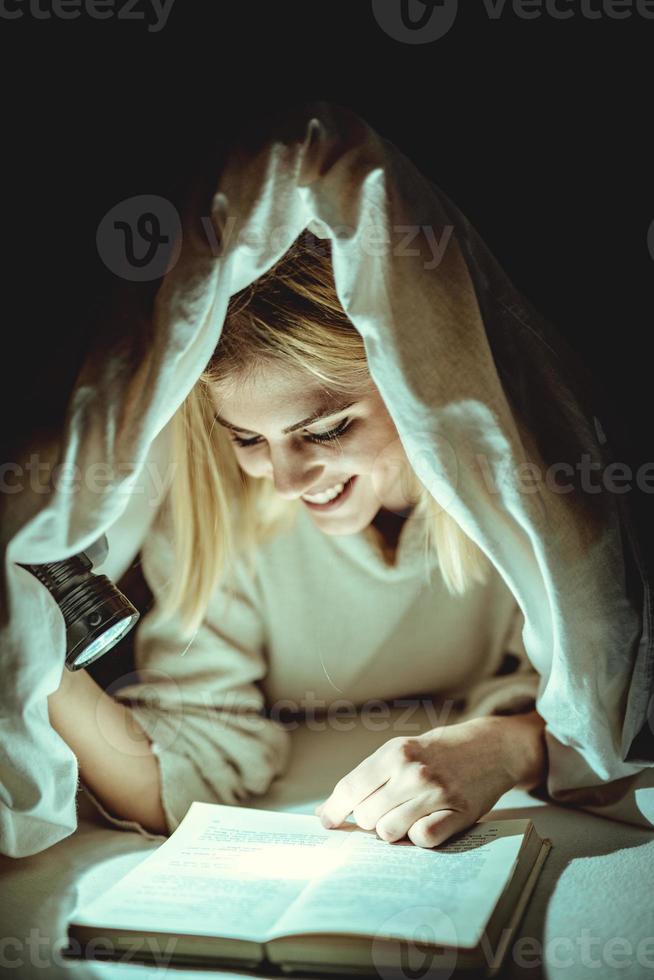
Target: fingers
x,y
353,788
435,828
394,824
386,764
387,798
422,826
413,818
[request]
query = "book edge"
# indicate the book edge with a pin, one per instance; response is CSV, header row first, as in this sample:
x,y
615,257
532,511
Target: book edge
x,y
521,905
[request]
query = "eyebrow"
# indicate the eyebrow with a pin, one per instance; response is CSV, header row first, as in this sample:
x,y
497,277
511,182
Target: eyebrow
x,y
324,412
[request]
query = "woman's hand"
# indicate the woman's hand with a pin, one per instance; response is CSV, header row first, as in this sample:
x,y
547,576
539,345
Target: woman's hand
x,y
434,785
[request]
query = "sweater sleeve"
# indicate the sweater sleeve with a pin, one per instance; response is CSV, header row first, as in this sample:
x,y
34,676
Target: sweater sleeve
x,y
199,701
511,684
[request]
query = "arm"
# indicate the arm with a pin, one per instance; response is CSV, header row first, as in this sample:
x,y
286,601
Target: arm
x,y
114,754
508,698
524,747
200,702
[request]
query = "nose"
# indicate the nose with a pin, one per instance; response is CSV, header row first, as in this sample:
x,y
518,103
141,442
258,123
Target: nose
x,y
293,474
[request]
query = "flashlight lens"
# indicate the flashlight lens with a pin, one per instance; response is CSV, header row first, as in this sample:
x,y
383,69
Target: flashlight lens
x,y
101,644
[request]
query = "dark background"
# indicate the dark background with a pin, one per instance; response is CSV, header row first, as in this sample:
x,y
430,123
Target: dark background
x,y
540,131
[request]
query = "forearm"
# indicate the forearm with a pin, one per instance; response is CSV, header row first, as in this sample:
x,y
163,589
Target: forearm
x,y
525,750
114,754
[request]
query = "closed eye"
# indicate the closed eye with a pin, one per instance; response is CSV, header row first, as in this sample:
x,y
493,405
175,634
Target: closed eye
x,y
311,436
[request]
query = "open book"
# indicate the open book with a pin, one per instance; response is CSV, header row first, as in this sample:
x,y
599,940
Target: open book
x,y
252,888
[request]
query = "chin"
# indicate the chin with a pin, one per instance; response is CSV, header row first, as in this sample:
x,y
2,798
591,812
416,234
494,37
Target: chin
x,y
350,526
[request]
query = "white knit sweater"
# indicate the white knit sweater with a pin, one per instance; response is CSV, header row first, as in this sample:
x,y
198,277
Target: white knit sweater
x,y
324,625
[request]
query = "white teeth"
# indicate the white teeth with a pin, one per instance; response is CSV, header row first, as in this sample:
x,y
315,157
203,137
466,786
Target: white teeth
x,y
325,496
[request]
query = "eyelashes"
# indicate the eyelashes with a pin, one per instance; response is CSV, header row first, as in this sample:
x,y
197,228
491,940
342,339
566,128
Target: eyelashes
x,y
315,437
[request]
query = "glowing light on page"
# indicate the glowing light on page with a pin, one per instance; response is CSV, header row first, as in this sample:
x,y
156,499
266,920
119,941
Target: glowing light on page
x,y
290,861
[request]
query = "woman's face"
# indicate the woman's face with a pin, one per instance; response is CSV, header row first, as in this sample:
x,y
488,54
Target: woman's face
x,y
368,457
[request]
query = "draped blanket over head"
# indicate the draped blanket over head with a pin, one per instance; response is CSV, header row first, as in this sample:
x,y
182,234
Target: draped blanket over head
x,y
483,393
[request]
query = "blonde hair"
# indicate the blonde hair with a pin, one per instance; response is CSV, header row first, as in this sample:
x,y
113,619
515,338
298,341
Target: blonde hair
x,y
290,316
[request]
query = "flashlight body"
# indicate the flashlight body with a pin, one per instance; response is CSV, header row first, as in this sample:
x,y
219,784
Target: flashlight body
x,y
97,615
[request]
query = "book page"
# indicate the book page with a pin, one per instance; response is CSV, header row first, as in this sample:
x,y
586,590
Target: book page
x,y
440,895
226,871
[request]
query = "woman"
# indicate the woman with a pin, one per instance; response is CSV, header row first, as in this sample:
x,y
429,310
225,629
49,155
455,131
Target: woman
x,y
305,551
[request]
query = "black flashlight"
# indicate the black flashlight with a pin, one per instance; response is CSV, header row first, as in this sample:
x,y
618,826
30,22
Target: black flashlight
x,y
97,615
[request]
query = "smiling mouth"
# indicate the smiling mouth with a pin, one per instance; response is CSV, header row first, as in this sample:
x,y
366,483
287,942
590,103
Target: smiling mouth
x,y
335,501
326,490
